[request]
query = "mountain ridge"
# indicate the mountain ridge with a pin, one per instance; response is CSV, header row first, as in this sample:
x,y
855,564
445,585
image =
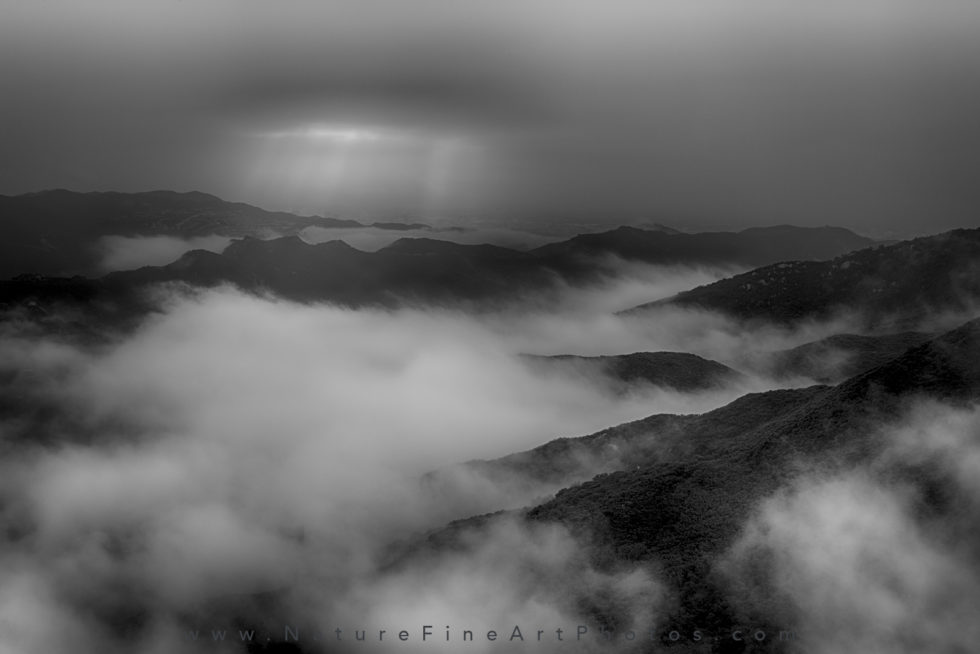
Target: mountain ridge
x,y
675,491
889,285
57,232
682,371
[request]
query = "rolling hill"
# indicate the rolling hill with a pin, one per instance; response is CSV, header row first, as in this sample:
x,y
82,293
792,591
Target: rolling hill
x,y
58,232
896,286
674,492
835,358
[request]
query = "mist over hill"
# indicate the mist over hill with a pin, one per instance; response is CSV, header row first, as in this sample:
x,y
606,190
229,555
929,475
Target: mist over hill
x,y
57,232
62,232
840,356
530,327
679,491
895,286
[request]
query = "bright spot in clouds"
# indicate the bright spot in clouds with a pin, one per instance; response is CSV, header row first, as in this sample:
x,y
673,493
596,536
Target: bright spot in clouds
x,y
336,134
364,170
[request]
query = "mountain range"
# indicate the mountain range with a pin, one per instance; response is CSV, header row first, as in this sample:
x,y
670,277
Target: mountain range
x,y
835,358
892,286
675,491
756,246
58,232
668,494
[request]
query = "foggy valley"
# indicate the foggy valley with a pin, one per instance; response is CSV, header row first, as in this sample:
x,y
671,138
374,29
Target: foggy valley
x,y
560,327
227,459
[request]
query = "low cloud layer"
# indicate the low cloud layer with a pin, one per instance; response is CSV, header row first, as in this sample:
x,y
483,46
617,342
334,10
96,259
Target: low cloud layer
x,y
539,579
867,558
235,445
127,252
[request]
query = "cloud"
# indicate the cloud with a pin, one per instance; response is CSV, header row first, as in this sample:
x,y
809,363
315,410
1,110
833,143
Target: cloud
x,y
943,436
865,558
510,574
129,252
681,109
235,445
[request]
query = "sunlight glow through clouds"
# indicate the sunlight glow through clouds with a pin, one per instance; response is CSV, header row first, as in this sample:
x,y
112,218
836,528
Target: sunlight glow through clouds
x,y
338,134
364,166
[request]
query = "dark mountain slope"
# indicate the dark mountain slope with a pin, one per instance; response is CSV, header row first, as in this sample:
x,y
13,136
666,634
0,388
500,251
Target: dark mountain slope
x,y
895,285
841,356
686,485
654,440
677,370
686,511
946,367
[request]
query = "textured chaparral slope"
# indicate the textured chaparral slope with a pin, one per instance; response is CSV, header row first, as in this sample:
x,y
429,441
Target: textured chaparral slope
x,y
894,285
835,358
676,491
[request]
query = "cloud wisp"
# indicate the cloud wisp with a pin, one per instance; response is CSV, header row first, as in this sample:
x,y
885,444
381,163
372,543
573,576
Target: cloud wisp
x,y
878,557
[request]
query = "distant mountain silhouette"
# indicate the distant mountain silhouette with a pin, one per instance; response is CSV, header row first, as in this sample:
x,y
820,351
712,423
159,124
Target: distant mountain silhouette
x,y
656,227
676,490
409,270
57,232
677,370
751,247
404,227
896,285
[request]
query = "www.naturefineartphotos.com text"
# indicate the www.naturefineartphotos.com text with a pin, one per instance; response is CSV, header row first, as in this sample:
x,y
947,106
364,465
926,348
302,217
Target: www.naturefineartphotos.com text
x,y
447,634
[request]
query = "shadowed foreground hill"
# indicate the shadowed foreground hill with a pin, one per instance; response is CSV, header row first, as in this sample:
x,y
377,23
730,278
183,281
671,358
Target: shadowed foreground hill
x,y
676,491
896,285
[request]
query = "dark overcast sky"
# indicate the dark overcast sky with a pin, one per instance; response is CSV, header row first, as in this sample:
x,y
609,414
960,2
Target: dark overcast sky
x,y
699,114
